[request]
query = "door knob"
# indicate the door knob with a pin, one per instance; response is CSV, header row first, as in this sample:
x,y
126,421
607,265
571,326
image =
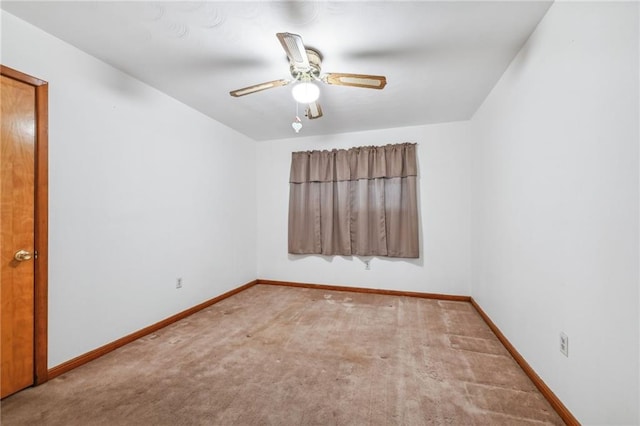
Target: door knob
x,y
22,255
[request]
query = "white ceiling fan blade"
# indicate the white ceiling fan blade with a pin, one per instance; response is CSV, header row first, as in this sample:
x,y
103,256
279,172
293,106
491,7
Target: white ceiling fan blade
x,y
356,80
313,111
258,87
296,52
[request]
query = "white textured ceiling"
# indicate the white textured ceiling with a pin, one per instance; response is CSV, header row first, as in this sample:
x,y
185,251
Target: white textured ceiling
x,y
441,58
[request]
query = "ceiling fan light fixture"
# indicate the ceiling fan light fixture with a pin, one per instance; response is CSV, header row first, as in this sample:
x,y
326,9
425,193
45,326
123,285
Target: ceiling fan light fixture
x,y
305,92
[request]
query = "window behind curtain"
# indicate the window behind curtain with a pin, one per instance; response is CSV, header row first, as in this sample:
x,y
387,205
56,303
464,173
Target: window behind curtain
x,y
360,201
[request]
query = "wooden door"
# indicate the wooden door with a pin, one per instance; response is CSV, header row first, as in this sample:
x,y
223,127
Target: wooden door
x,y
20,291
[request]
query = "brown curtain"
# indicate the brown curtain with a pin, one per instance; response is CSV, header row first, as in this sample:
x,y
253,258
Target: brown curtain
x,y
361,201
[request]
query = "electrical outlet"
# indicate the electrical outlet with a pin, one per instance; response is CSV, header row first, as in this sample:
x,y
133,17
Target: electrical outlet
x,y
564,344
179,283
367,265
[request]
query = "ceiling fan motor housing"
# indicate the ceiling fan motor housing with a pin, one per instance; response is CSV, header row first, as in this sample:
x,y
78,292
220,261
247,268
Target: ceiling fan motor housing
x,y
311,73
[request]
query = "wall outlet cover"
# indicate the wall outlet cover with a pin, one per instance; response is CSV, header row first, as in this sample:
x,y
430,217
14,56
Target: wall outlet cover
x,y
564,344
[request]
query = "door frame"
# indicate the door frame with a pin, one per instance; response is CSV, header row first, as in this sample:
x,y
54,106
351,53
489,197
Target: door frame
x,y
41,216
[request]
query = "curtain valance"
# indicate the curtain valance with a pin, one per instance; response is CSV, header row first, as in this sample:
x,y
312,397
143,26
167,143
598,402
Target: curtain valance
x,y
369,162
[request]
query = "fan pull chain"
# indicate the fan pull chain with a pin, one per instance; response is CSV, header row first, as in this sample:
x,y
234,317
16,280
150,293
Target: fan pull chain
x,y
297,123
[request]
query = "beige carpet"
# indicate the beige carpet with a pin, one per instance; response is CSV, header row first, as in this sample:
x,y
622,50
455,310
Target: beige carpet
x,y
288,356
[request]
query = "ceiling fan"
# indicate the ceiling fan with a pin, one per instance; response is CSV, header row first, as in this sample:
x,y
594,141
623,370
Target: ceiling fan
x,y
305,67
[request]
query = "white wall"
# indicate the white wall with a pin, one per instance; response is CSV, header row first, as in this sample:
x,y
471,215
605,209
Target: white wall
x,y
555,207
139,195
443,185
